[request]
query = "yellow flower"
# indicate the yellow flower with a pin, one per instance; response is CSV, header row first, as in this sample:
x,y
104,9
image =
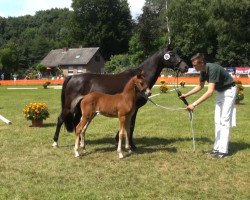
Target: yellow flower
x,y
36,111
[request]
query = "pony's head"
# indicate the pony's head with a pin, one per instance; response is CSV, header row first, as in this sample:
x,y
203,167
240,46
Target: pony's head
x,y
141,84
172,60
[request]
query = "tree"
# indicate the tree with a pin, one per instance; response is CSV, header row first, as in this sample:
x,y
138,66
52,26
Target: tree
x,y
190,32
151,27
35,36
9,59
103,23
218,28
231,23
119,63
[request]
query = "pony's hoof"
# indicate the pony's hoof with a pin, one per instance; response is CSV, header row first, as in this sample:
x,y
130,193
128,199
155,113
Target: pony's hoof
x,y
133,147
55,145
129,150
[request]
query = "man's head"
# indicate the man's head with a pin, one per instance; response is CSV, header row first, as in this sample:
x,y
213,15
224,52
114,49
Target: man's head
x,y
198,62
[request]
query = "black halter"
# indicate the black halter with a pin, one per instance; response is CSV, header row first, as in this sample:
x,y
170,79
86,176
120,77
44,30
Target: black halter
x,y
176,67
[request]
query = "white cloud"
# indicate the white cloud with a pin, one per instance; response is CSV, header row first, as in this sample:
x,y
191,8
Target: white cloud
x,y
136,7
31,6
16,8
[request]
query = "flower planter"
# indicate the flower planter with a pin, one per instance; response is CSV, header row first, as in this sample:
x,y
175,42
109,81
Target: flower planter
x,y
37,123
36,112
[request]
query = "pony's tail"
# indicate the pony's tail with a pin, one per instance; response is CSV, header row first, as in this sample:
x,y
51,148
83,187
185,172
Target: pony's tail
x,y
63,90
69,118
73,115
68,122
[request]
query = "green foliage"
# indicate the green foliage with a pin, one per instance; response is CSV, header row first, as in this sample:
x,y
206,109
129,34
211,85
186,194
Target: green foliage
x,y
135,49
152,26
26,40
102,23
230,20
217,28
189,30
119,63
9,58
40,67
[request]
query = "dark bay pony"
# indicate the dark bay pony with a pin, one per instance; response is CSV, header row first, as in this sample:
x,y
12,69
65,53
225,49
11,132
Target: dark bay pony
x,y
82,84
120,105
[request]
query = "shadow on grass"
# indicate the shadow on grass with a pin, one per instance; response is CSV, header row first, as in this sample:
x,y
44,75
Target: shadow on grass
x,y
154,144
146,144
234,147
46,125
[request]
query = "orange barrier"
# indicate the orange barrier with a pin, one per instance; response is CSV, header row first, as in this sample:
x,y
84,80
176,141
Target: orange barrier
x,y
195,80
168,80
31,82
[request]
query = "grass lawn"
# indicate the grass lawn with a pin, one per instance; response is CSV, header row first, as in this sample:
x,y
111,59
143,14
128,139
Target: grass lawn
x,y
164,167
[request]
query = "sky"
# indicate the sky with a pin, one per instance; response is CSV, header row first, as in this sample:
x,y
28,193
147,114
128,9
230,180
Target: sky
x,y
15,8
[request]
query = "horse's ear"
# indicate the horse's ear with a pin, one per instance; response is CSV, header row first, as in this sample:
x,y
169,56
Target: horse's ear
x,y
141,74
170,47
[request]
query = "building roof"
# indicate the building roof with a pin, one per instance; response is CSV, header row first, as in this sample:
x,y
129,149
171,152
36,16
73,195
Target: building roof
x,y
75,56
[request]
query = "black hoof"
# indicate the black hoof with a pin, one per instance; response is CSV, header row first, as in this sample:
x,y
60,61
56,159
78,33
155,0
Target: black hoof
x,y
133,147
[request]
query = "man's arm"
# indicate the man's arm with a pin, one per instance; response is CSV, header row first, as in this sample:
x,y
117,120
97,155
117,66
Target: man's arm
x,y
196,89
204,97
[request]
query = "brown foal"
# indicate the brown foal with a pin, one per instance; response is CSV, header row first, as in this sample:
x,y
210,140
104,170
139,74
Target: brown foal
x,y
121,105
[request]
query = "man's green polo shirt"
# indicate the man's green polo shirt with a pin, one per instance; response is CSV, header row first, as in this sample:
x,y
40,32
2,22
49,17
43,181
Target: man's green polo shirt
x,y
217,74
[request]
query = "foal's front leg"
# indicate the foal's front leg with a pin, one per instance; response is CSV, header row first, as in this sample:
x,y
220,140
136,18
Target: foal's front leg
x,y
121,131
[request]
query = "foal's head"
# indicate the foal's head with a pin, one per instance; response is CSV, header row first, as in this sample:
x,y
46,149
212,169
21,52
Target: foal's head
x,y
141,84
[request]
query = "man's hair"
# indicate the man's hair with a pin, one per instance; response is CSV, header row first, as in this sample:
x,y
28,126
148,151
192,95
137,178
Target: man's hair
x,y
198,56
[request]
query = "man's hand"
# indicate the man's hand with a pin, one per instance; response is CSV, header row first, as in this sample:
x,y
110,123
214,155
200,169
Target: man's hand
x,y
182,96
190,107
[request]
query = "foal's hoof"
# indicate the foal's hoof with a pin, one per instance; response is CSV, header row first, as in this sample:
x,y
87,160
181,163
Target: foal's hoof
x,y
77,155
120,156
55,145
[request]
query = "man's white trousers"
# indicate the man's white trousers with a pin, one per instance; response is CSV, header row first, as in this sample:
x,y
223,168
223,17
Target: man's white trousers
x,y
223,118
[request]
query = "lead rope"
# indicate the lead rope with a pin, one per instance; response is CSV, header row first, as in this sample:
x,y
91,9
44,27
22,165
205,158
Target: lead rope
x,y
191,114
166,108
177,109
192,128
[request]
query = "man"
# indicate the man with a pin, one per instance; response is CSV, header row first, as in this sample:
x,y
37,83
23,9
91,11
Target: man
x,y
220,80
